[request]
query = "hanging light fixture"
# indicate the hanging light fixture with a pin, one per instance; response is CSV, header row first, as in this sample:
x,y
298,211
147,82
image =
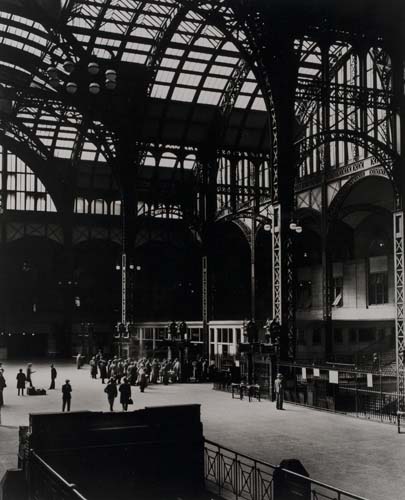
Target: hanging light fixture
x,y
110,84
69,66
298,229
54,82
94,88
111,75
293,226
52,72
93,68
267,227
71,88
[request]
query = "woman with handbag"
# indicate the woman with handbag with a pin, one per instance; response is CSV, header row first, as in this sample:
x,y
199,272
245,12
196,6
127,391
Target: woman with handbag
x,y
125,397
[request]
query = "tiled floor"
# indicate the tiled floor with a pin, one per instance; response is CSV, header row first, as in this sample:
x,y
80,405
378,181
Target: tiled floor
x,y
364,457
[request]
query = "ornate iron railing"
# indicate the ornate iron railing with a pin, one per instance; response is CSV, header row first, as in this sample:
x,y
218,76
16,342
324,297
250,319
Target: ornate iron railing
x,y
46,484
235,476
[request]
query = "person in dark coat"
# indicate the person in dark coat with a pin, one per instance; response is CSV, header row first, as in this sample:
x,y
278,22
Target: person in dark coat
x,y
53,377
125,391
66,395
279,390
102,366
21,379
3,385
112,393
143,381
93,367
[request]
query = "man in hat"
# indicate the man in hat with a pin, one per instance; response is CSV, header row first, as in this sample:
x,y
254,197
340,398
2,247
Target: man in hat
x,y
66,395
279,390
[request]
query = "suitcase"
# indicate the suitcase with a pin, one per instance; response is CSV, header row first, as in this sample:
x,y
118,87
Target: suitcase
x,y
31,391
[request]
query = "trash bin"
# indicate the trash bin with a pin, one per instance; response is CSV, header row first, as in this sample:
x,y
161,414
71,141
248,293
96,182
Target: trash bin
x,y
290,487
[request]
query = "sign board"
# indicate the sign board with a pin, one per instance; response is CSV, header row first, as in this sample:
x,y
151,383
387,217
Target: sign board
x,y
304,373
333,377
369,380
316,372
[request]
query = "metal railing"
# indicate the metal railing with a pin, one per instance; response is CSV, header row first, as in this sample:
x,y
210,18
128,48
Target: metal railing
x,y
46,484
235,476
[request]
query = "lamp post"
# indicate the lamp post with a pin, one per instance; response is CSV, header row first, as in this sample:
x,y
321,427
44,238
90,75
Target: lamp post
x,y
124,327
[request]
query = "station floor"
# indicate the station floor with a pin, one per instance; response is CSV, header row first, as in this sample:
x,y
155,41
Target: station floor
x,y
363,457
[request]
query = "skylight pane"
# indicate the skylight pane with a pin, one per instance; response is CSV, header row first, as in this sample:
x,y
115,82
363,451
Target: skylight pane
x,y
183,94
207,97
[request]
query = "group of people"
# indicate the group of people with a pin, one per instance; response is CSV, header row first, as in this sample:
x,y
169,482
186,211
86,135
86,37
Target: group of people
x,y
148,370
26,378
23,379
120,374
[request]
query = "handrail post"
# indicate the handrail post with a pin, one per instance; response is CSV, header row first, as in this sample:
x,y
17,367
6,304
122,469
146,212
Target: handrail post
x,y
255,488
219,470
236,487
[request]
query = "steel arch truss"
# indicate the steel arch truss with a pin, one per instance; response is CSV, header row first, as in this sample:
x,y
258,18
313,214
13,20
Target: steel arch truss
x,y
386,156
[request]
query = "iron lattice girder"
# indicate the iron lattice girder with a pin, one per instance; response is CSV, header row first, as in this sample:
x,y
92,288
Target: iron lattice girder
x,y
399,305
350,95
12,126
52,103
387,157
251,192
233,88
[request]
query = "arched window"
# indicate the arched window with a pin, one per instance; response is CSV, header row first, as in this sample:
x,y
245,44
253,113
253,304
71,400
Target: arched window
x,y
81,206
99,207
25,191
115,207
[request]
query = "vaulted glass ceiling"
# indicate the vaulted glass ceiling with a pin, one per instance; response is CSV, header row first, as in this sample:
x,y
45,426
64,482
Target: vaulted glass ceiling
x,y
182,68
178,55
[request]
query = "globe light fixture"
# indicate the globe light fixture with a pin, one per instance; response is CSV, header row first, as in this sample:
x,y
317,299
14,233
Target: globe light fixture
x,y
53,72
111,75
94,88
93,68
54,82
69,66
110,84
267,227
293,226
71,88
298,229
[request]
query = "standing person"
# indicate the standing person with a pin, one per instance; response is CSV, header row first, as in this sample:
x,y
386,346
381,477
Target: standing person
x,y
112,393
78,361
2,386
125,391
21,379
142,379
93,367
53,377
29,372
66,395
279,390
102,366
